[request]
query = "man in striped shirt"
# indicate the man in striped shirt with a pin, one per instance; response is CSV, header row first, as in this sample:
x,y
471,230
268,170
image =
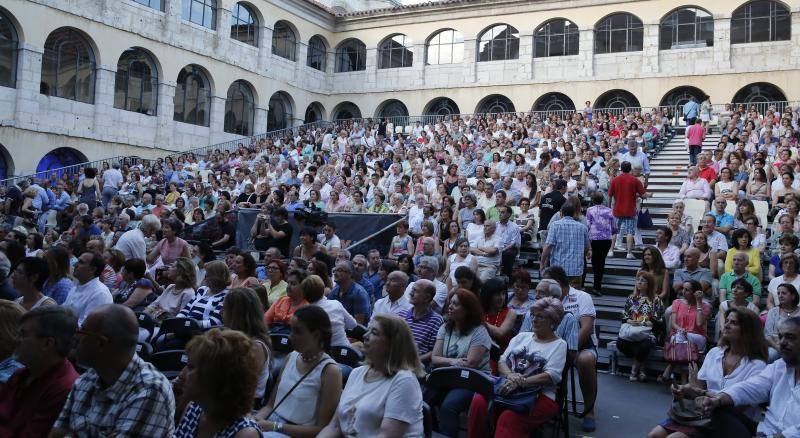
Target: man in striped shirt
x,y
422,319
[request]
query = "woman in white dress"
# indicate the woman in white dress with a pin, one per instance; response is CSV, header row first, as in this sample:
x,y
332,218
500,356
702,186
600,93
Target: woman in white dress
x,y
460,257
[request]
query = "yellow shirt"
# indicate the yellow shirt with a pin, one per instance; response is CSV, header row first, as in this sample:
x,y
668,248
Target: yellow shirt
x,y
276,292
754,267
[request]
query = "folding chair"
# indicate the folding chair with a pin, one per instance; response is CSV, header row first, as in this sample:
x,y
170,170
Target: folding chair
x,y
561,421
175,333
281,343
346,355
169,362
696,208
427,421
357,332
447,378
144,351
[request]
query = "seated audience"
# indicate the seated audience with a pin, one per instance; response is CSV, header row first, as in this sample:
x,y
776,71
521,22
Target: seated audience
x,y
786,307
34,396
59,282
522,299
739,270
741,290
89,292
790,268
243,269
313,291
428,269
395,302
242,312
688,319
136,291
206,306
499,318
642,308
460,256
691,271
28,279
120,394
10,315
353,297
176,296
653,263
742,242
279,314
276,279
423,321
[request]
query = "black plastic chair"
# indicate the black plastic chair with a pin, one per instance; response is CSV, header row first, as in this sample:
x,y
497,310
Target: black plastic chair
x,y
175,333
560,423
169,362
357,332
281,343
346,355
448,378
427,420
146,322
144,351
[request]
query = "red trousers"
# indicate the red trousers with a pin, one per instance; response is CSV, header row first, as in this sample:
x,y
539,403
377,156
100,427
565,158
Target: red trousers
x,y
509,424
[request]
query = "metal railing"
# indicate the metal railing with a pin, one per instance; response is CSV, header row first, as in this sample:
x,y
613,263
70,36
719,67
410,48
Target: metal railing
x,y
72,171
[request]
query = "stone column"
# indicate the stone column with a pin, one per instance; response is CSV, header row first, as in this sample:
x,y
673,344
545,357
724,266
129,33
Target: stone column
x,y
260,120
172,23
525,57
165,126
650,53
795,57
29,78
217,117
418,66
223,34
301,52
104,99
330,68
264,48
370,75
722,43
586,53
470,61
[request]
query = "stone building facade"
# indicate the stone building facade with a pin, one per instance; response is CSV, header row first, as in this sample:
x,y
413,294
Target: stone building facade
x,y
72,85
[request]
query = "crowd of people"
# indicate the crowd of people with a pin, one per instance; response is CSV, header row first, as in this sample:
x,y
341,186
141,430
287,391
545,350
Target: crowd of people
x,y
84,258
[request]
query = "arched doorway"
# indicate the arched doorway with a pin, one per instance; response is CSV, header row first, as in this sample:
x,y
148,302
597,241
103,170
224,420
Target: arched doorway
x,y
60,157
551,102
314,113
6,164
677,97
495,104
616,100
346,111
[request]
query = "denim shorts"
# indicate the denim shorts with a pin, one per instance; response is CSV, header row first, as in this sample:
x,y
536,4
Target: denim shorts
x,y
626,225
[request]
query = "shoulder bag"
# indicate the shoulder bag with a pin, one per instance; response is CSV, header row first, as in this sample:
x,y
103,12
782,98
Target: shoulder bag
x,y
521,400
634,333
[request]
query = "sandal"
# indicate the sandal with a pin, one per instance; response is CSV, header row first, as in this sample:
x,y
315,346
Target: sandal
x,y
642,376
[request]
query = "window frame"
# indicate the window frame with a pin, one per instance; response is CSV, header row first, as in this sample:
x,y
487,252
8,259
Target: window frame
x,y
287,39
347,47
609,38
247,107
125,79
193,71
671,26
456,41
9,49
317,51
207,6
238,23
73,36
542,33
510,43
775,9
149,4
388,52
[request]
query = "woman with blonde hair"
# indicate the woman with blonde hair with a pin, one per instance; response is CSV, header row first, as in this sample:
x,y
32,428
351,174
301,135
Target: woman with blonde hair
x,y
177,295
242,312
223,370
383,397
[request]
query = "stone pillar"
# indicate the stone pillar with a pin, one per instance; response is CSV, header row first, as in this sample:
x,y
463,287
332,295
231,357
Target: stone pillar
x,y
370,75
104,99
525,57
330,68
217,117
301,52
586,53
29,78
264,48
795,57
418,66
650,51
722,43
223,34
172,23
260,120
470,61
165,127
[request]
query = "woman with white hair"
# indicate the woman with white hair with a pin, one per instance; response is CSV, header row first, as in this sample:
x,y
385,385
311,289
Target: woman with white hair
x,y
531,360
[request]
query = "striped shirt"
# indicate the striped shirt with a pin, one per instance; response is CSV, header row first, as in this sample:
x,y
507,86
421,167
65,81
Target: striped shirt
x,y
569,240
204,308
424,329
139,403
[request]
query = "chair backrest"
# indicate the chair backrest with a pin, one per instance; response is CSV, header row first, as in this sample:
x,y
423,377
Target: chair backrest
x,y
730,208
762,211
357,332
461,378
281,343
695,208
346,355
180,327
146,322
144,350
169,362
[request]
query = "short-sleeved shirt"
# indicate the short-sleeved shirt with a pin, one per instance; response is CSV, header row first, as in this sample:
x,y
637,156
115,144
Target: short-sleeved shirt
x,y
728,278
624,189
569,240
363,405
356,301
713,374
700,274
424,329
722,219
580,304
456,345
528,356
550,204
686,317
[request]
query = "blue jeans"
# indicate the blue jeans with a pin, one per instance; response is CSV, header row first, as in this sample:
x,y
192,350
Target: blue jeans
x,y
455,402
694,151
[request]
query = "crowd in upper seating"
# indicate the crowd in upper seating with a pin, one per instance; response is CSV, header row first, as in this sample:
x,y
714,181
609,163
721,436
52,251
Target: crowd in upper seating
x,y
137,264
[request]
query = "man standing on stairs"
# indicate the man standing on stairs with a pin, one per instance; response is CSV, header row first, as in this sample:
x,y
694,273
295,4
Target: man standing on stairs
x,y
624,190
690,111
695,134
637,159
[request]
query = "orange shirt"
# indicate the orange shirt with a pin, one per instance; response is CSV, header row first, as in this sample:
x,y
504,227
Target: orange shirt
x,y
281,311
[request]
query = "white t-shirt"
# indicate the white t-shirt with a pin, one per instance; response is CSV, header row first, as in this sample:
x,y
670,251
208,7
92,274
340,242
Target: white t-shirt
x,y
579,303
712,373
132,244
527,356
772,287
363,405
340,320
438,299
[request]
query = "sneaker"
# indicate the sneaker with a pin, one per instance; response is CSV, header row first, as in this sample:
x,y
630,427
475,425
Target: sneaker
x,y
588,424
611,253
630,256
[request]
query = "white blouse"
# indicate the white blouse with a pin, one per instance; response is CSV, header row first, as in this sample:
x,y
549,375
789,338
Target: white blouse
x,y
713,374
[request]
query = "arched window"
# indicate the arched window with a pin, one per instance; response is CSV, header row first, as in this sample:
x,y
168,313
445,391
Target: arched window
x,y
498,43
314,113
346,110
68,66
759,21
59,158
441,106
201,12
240,109
395,52
351,55
284,41
620,32
495,104
136,83
9,46
445,47
244,25
557,37
6,163
759,92
686,27
392,108
677,97
192,96
155,4
554,102
280,115
616,100
316,57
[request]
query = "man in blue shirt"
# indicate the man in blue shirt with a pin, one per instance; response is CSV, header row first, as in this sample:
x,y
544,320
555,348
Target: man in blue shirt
x,y
690,110
360,276
353,297
723,220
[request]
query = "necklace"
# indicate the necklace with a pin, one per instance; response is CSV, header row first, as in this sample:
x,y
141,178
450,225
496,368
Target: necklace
x,y
309,359
788,313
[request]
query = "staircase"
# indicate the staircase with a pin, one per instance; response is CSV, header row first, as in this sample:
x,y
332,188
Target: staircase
x,y
668,170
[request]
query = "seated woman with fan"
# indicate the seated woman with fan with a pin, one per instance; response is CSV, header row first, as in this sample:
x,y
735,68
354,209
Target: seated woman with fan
x,y
642,315
740,354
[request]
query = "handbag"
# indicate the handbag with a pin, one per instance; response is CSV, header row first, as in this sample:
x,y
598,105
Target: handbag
x,y
685,412
680,351
643,220
634,333
520,400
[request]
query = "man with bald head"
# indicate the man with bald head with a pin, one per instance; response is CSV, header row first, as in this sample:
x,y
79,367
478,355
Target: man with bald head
x,y
120,394
422,319
692,271
395,300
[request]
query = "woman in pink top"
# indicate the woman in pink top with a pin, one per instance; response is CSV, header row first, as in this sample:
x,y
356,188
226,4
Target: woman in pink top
x,y
688,318
171,246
